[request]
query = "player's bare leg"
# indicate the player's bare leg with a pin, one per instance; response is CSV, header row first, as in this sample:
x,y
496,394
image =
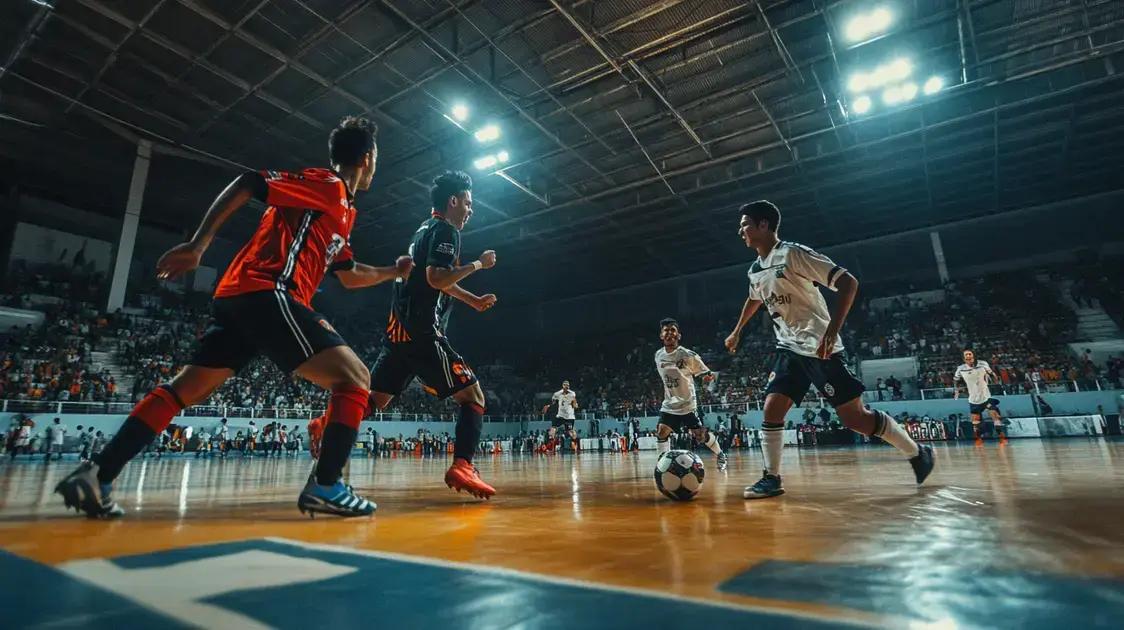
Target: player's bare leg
x,y
709,440
1000,430
574,441
339,370
862,419
88,488
663,439
462,475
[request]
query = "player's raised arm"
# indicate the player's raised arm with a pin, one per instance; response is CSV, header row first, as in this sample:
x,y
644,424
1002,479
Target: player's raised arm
x,y
357,275
186,256
441,278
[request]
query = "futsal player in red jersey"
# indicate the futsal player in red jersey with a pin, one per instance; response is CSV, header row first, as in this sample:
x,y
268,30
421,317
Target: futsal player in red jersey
x,y
262,306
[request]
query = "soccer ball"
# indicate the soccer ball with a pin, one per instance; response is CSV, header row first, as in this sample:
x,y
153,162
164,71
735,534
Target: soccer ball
x,y
679,475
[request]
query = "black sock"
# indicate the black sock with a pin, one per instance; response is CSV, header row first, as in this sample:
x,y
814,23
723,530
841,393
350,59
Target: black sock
x,y
470,424
335,448
130,440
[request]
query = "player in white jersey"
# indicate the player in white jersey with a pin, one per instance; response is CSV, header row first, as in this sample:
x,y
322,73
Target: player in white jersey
x,y
786,278
567,401
975,376
678,367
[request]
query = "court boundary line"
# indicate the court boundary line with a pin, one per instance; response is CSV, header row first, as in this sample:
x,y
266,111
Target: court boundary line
x,y
565,581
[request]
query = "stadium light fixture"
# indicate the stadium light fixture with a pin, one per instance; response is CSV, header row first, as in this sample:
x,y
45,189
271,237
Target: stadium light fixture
x,y
908,90
486,162
864,26
502,156
896,70
460,112
487,133
933,85
861,105
892,95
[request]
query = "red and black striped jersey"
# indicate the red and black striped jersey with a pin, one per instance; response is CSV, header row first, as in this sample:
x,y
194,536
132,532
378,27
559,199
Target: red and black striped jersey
x,y
304,233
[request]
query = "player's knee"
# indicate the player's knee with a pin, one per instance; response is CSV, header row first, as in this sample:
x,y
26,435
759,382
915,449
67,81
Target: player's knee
x,y
699,433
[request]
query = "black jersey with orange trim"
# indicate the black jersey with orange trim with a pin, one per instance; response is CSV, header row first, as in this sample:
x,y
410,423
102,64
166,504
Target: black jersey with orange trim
x,y
304,233
417,310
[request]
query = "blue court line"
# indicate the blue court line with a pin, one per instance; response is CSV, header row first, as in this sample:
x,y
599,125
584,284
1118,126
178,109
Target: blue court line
x,y
406,592
34,595
990,598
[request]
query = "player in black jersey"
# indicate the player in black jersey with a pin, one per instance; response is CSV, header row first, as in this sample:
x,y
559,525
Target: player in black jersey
x,y
416,344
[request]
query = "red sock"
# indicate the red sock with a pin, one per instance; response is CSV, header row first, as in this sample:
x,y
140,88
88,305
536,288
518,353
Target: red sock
x,y
348,406
158,408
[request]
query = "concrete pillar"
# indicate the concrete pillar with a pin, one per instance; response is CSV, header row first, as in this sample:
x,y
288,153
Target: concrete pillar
x,y
938,253
129,227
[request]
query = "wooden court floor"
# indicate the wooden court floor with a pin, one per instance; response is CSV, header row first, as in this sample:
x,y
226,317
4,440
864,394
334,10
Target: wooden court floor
x,y
1030,535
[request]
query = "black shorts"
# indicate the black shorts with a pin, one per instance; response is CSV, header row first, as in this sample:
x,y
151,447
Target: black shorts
x,y
432,360
567,425
793,374
678,423
990,403
264,322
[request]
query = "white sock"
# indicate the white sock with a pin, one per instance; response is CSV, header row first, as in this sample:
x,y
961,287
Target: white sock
x,y
895,435
662,446
712,444
772,444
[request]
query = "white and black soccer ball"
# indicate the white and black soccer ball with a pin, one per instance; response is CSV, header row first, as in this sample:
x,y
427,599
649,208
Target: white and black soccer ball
x,y
679,475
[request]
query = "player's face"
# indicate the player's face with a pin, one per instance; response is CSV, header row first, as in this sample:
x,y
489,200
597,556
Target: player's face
x,y
749,232
368,172
669,335
459,210
565,386
969,357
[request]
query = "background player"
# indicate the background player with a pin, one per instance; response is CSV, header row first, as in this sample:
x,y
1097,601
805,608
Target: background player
x,y
262,306
975,375
567,401
416,344
785,278
678,367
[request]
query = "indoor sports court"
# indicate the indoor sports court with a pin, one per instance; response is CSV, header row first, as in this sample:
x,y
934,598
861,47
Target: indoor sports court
x,y
561,314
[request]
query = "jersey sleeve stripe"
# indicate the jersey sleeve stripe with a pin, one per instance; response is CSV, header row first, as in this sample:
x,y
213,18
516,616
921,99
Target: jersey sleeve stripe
x,y
834,274
294,251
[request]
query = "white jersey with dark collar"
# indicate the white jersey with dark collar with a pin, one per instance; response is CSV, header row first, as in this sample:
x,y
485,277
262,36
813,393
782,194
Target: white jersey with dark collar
x,y
677,370
787,281
565,400
975,377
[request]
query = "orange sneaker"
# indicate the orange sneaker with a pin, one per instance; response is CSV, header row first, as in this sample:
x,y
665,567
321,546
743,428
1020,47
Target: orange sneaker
x,y
462,475
315,433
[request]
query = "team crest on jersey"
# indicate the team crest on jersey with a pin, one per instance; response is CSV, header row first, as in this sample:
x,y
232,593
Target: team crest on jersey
x,y
780,273
772,375
680,364
828,389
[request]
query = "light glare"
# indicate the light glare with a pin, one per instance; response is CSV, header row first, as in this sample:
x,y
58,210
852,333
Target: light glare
x,y
858,82
892,96
864,26
909,90
502,156
460,112
487,133
861,105
933,85
485,162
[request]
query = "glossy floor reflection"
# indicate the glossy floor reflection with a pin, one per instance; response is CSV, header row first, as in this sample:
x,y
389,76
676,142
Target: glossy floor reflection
x,y
1028,535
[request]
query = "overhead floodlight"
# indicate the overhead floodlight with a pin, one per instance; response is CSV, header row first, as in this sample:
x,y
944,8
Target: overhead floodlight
x,y
861,105
858,82
460,112
908,90
933,85
485,162
488,133
892,95
864,26
502,156
900,69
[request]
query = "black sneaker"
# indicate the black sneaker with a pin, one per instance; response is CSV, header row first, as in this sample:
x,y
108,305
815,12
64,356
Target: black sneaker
x,y
922,463
82,491
768,486
723,461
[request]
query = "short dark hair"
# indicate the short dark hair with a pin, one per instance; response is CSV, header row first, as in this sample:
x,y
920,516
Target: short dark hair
x,y
448,184
352,139
762,210
668,321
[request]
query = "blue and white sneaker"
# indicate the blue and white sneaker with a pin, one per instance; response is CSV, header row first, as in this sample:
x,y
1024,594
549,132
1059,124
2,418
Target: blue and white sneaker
x,y
768,486
82,491
338,499
723,461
